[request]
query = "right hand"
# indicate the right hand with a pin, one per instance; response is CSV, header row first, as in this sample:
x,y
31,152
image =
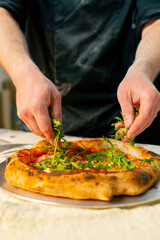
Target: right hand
x,y
35,94
137,91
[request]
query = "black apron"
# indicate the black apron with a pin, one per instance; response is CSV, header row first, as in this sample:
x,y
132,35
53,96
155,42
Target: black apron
x,y
82,49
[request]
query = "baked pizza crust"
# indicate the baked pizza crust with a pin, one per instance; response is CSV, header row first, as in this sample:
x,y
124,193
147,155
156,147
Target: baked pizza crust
x,y
84,184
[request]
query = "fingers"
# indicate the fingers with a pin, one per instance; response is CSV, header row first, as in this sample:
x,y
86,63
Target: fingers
x,y
33,126
37,118
30,121
43,119
144,119
44,122
40,124
120,125
125,138
127,108
127,112
56,107
149,107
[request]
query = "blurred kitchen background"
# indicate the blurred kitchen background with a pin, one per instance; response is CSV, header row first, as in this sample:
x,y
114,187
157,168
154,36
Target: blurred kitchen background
x,y
8,113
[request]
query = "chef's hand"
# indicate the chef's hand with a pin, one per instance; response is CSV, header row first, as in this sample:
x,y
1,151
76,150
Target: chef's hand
x,y
35,94
136,90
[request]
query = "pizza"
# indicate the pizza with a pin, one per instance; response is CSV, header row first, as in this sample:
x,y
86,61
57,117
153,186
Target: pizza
x,y
95,168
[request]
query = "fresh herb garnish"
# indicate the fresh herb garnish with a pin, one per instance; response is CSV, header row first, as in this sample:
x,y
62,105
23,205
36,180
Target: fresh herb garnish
x,y
121,135
66,159
41,166
58,135
56,127
149,161
47,148
110,159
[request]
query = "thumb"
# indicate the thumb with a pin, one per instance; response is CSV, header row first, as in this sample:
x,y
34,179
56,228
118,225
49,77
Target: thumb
x,y
127,111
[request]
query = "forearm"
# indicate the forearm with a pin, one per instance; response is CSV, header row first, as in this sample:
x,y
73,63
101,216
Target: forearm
x,y
14,55
147,57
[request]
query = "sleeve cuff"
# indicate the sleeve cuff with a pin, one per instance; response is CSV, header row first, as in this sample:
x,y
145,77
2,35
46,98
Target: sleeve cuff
x,y
18,14
145,15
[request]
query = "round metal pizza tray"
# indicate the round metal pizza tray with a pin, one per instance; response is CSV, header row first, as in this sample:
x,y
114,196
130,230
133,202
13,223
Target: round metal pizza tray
x,y
153,194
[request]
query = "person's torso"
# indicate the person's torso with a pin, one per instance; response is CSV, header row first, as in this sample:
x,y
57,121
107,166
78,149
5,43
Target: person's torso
x,y
81,47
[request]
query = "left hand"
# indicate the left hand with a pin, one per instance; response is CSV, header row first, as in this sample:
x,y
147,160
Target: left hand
x,y
136,90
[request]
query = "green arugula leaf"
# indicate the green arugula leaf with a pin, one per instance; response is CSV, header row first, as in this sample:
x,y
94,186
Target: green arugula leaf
x,y
109,141
131,142
56,126
149,161
121,135
47,148
74,164
58,135
41,166
118,136
119,120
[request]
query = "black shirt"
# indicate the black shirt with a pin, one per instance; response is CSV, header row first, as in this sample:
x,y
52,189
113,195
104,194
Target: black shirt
x,y
85,48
